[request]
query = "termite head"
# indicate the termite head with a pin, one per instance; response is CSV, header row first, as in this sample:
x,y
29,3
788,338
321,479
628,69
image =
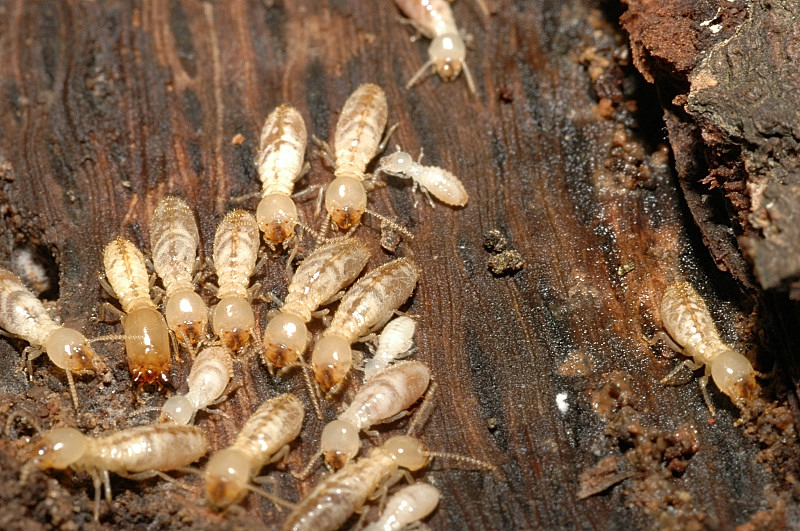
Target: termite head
x,y
277,216
408,452
233,322
285,339
331,359
178,409
734,375
227,477
70,350
345,201
59,448
187,316
398,162
147,346
339,442
447,52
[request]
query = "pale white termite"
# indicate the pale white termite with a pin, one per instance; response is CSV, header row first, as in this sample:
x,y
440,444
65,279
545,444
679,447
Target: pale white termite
x,y
689,323
235,254
433,180
24,316
394,343
356,142
368,303
136,453
146,335
211,371
280,164
447,51
379,400
263,439
407,506
173,242
327,270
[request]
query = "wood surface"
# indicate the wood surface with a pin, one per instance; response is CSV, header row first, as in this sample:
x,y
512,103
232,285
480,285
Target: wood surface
x,y
109,106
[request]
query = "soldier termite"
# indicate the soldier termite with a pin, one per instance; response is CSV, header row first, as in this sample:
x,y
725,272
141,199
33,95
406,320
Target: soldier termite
x,y
368,303
211,371
689,323
432,180
235,253
135,453
327,270
173,242
146,335
407,506
263,439
447,51
23,315
379,400
394,343
280,164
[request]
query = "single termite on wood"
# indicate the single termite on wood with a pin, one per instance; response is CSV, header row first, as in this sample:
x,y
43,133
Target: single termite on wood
x,y
146,334
211,372
406,507
263,439
280,164
368,303
447,52
432,180
23,315
327,270
235,254
394,342
173,243
135,453
689,323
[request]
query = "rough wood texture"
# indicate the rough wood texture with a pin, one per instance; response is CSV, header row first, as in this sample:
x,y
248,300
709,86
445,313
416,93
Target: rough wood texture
x,y
106,107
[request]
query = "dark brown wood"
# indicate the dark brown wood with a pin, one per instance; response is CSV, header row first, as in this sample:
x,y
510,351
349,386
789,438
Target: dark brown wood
x,y
109,106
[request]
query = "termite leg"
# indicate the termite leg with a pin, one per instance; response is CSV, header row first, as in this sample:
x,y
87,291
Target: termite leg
x,y
703,381
663,336
666,380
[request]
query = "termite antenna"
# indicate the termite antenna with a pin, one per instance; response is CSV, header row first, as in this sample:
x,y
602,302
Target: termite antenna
x,y
392,224
422,414
311,390
468,75
72,390
21,414
418,75
276,500
470,460
303,474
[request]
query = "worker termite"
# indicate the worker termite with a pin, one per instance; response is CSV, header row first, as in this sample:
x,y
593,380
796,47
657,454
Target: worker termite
x,y
447,51
327,270
339,495
135,453
368,303
394,343
379,400
211,371
280,164
235,253
689,323
146,336
263,439
173,242
23,315
432,180
407,506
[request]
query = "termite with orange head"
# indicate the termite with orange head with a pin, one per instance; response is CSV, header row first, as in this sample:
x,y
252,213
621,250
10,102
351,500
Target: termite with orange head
x,y
433,180
24,316
146,335
368,303
173,242
280,163
235,254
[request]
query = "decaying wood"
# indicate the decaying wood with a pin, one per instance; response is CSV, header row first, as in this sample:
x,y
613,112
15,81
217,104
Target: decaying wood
x,y
546,371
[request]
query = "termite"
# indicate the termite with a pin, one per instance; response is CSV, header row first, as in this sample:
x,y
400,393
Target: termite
x,y
368,303
280,164
432,180
263,439
447,51
135,453
689,323
407,506
211,371
379,400
146,335
394,343
327,270
23,315
173,243
235,253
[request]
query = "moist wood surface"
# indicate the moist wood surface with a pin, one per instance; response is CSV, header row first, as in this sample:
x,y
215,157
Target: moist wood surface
x,y
545,371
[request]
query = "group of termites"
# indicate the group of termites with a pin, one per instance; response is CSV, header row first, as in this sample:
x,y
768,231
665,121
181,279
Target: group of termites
x,y
177,317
